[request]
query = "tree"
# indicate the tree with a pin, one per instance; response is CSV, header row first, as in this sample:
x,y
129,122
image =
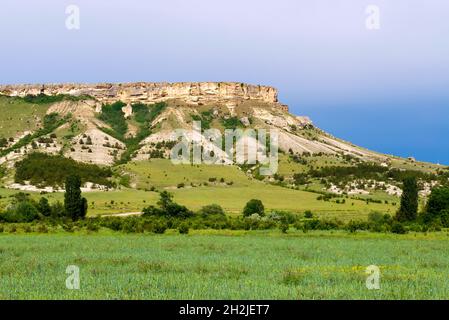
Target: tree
x,y
437,204
84,205
44,207
438,200
253,206
409,200
167,207
165,200
75,205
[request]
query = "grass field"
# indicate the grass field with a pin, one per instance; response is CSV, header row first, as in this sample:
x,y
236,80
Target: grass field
x,y
163,175
224,265
231,198
160,173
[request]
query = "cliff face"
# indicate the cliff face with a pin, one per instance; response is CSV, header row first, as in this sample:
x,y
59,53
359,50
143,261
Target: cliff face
x,y
194,93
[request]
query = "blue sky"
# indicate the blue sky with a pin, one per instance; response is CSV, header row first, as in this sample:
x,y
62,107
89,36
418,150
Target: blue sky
x,y
385,89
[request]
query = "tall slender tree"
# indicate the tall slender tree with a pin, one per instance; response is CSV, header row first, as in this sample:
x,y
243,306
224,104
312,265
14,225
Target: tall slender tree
x,y
75,205
409,200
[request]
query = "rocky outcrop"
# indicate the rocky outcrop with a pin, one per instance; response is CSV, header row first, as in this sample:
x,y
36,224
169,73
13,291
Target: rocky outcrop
x,y
146,92
127,111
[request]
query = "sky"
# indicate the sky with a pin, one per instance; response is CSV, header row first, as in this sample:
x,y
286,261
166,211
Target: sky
x,y
382,85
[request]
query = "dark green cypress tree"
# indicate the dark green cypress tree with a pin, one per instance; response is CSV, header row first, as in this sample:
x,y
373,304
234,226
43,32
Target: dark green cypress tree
x,y
83,205
409,200
75,205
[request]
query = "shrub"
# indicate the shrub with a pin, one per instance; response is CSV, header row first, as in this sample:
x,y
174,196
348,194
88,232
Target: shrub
x,y
152,211
57,210
91,226
308,214
44,207
131,225
183,228
211,209
159,227
68,227
283,216
253,206
23,211
311,224
444,217
3,142
355,225
114,224
398,228
283,227
330,224
176,210
300,179
42,228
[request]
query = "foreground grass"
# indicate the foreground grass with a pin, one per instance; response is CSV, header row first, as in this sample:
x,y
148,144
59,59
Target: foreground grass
x,y
224,265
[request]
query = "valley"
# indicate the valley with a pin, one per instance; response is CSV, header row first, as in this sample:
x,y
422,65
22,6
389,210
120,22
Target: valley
x,y
86,180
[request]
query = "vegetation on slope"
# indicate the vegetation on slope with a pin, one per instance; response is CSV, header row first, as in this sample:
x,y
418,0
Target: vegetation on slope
x,y
48,99
51,122
367,171
205,118
43,98
143,115
232,123
52,170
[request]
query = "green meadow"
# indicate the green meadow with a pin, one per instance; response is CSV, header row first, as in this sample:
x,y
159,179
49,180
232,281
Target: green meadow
x,y
232,199
198,185
224,265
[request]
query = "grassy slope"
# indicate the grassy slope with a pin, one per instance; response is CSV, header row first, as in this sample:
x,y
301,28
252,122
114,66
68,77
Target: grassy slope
x,y
19,116
240,265
162,173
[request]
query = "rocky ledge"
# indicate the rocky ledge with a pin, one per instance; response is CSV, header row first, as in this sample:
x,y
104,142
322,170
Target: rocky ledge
x,y
146,92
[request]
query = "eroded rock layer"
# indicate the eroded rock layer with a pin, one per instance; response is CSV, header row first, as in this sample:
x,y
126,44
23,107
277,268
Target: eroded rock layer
x,y
192,92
